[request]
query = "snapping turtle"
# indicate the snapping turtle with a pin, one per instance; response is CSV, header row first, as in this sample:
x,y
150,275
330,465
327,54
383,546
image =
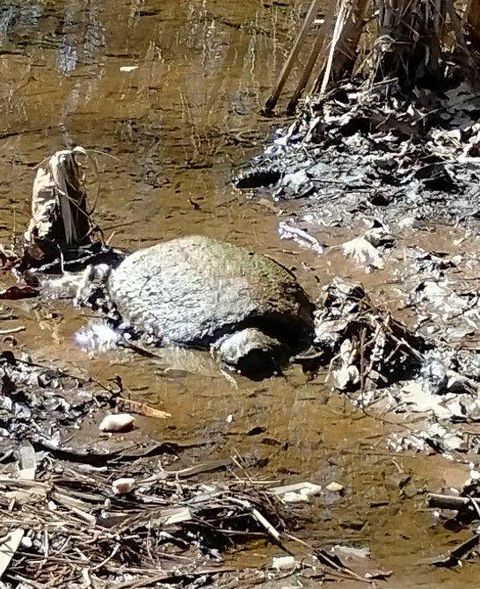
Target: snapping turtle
x,y
200,292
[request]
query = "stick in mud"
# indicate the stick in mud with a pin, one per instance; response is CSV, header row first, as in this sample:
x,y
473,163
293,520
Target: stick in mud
x,y
287,68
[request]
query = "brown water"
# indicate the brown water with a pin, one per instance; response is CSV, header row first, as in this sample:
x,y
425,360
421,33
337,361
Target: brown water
x,y
173,128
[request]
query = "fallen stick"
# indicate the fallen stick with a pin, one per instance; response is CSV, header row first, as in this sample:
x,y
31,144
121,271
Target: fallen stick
x,y
12,542
141,408
13,330
450,501
171,578
453,557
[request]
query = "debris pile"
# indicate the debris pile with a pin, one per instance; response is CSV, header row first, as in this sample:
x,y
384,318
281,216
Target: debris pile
x,y
354,151
109,508
367,347
78,524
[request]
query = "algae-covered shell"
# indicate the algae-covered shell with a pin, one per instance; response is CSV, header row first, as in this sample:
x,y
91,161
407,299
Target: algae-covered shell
x,y
192,290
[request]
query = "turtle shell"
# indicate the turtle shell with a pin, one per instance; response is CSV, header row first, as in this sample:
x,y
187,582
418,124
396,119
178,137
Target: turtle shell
x,y
192,290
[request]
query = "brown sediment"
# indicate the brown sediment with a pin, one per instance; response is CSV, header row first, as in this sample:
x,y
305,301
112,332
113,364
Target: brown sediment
x,y
172,128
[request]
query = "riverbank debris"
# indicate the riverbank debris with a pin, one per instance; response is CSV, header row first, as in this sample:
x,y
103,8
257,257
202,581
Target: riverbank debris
x,y
72,511
462,507
366,346
60,217
62,234
117,422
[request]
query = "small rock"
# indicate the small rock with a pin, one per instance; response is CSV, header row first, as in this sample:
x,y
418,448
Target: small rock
x,y
298,492
118,422
283,563
123,486
334,487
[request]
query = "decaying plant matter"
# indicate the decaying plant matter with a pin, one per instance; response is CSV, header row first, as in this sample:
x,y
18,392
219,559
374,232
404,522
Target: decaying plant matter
x,y
78,509
60,216
367,346
390,46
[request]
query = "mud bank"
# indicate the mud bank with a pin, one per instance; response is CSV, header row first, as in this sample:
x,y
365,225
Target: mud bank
x,y
403,178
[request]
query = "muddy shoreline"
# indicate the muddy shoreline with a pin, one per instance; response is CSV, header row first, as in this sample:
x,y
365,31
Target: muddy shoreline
x,y
176,144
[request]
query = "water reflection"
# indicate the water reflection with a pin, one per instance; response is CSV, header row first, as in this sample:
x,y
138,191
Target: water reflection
x,y
18,17
80,43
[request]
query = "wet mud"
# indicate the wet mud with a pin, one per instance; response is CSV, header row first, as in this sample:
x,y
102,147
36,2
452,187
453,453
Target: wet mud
x,y
169,93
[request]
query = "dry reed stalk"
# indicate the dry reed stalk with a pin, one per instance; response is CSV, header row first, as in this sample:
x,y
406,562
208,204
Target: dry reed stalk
x,y
337,31
411,36
320,48
287,68
349,41
402,41
315,52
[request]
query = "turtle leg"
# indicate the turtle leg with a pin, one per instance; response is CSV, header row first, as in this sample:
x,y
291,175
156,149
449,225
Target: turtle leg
x,y
252,352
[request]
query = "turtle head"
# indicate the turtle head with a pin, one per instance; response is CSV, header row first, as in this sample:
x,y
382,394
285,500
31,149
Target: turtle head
x,y
92,285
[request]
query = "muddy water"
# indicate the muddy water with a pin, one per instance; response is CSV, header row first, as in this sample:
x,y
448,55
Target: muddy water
x,y
168,93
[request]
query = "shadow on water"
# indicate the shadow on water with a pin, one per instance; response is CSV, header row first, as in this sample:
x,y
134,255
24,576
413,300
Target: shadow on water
x,y
169,92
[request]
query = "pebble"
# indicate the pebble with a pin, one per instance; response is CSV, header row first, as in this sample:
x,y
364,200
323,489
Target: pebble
x,y
123,486
335,487
118,422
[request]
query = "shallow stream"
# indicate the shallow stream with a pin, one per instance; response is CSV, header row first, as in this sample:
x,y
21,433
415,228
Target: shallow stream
x,y
168,94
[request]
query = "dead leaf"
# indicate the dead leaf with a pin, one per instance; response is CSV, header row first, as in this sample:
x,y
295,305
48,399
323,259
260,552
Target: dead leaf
x,y
363,252
15,292
141,408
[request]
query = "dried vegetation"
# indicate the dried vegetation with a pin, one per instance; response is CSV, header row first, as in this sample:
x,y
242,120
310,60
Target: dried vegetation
x,y
397,44
81,508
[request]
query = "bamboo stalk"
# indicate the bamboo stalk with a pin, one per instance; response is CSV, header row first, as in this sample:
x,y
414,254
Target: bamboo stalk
x,y
272,100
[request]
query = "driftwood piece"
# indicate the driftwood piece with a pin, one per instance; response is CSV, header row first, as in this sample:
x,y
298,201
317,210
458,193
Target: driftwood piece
x,y
451,501
447,501
11,543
